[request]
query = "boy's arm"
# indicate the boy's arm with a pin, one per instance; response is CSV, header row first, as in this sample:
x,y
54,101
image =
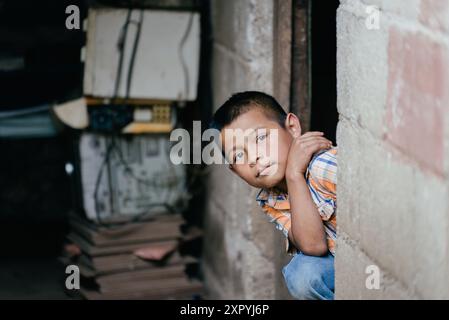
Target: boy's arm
x,y
307,230
322,177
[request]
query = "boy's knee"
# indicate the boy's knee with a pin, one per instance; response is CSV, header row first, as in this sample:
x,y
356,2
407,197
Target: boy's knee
x,y
309,278
302,282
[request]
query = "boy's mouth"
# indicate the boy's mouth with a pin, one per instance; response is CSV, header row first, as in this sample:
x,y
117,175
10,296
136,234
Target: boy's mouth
x,y
265,171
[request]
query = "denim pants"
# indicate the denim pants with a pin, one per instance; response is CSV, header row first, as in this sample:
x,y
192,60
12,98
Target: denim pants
x,y
310,277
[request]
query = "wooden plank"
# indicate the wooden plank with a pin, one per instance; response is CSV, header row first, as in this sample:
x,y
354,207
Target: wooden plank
x,y
162,215
100,101
141,127
118,221
128,234
128,262
89,271
300,75
282,47
157,289
117,280
132,262
93,250
85,270
180,294
156,285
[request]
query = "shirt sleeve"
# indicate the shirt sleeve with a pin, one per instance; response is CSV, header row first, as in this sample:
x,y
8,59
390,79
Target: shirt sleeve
x,y
322,182
281,221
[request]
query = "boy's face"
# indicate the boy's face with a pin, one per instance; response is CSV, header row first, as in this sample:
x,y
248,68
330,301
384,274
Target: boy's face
x,y
257,147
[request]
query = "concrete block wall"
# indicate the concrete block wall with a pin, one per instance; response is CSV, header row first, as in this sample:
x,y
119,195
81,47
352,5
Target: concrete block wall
x,y
241,246
393,137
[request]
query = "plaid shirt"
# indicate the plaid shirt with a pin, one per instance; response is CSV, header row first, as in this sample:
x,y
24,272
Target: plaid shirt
x,y
321,178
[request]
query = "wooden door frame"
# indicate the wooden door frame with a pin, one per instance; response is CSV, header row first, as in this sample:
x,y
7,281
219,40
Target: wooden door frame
x,y
292,45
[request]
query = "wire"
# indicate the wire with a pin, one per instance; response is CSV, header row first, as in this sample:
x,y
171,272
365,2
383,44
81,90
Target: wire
x,y
133,54
112,147
121,47
97,182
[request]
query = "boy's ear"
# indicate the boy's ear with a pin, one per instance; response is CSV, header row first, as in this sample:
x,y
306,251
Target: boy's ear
x,y
293,125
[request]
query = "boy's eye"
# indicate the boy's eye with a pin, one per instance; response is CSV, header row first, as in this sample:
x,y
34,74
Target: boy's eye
x,y
261,137
238,156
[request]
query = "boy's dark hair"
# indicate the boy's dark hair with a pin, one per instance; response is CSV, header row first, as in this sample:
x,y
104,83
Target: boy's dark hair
x,y
241,102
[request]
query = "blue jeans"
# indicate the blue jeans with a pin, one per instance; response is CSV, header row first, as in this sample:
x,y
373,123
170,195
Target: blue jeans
x,y
310,277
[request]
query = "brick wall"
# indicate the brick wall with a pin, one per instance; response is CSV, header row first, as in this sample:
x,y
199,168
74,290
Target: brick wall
x,y
241,258
393,133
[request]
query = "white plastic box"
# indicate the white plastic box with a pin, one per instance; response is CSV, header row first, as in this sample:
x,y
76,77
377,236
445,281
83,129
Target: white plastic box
x,y
158,71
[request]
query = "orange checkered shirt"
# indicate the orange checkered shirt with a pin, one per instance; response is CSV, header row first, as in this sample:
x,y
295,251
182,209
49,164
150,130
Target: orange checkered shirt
x,y
321,178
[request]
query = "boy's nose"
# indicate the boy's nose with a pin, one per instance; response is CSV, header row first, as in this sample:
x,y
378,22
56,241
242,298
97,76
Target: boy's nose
x,y
255,157
259,161
252,161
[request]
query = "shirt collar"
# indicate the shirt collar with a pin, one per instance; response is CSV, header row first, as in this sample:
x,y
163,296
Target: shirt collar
x,y
273,199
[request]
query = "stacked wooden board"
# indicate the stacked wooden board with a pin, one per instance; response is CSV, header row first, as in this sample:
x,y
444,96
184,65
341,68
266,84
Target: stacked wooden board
x,y
110,268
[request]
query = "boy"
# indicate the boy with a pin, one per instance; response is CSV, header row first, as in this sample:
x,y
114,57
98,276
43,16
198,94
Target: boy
x,y
297,181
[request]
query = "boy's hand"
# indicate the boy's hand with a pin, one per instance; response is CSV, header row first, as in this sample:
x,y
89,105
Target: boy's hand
x,y
301,152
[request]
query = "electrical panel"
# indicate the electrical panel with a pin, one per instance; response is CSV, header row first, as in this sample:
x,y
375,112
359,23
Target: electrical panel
x,y
162,64
128,176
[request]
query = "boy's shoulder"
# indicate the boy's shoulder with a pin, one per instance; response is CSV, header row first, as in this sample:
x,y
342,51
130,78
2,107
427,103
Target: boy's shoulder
x,y
325,155
321,173
324,161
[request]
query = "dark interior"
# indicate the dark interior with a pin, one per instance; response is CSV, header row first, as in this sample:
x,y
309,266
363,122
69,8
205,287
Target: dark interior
x,y
324,61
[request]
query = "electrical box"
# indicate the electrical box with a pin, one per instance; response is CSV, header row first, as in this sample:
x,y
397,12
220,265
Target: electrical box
x,y
128,176
166,56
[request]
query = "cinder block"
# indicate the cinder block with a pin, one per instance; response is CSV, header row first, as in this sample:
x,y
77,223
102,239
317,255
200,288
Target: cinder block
x,y
216,259
402,213
237,228
214,288
222,187
387,216
228,73
351,282
435,14
431,237
232,75
349,155
446,145
361,71
215,251
417,97
235,244
259,274
244,27
281,259
408,10
263,233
